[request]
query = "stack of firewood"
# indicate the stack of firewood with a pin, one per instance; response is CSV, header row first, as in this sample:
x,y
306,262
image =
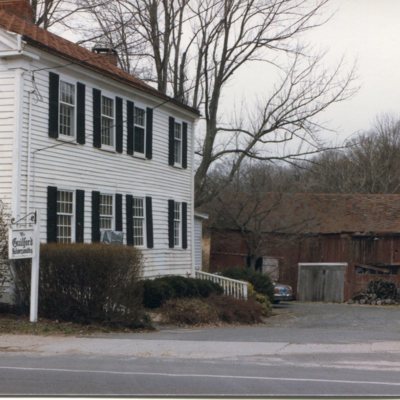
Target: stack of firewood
x,y
378,292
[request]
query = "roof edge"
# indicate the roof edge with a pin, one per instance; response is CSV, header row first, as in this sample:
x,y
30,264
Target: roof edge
x,y
144,87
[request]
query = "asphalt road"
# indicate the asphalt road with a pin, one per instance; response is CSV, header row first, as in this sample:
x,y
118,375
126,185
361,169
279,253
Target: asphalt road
x,y
307,349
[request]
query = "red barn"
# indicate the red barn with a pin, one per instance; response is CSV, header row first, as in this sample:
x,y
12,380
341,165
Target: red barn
x,y
362,230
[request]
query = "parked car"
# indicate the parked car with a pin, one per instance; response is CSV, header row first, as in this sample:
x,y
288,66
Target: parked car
x,y
282,292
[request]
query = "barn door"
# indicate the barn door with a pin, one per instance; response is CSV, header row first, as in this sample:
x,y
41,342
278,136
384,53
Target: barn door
x,y
321,282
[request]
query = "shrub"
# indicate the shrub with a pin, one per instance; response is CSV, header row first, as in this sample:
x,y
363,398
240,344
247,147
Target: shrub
x,y
87,282
264,302
207,288
188,311
261,282
232,310
191,311
157,291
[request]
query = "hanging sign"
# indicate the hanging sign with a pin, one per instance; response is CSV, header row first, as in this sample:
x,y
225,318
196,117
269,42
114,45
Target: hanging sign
x,y
21,243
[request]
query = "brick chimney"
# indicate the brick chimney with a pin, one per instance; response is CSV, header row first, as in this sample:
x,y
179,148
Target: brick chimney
x,y
20,8
110,54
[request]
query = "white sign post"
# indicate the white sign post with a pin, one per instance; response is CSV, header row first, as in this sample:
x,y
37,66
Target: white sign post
x,y
25,243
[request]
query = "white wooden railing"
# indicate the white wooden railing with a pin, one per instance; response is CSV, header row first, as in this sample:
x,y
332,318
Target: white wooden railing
x,y
232,287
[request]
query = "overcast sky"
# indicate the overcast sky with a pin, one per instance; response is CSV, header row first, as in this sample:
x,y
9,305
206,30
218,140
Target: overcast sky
x,y
366,32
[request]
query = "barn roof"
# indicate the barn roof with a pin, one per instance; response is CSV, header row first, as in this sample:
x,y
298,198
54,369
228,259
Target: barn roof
x,y
321,213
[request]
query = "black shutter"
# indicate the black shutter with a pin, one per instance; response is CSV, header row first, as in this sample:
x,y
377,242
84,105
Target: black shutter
x,y
80,215
54,82
119,125
171,205
149,133
51,214
171,156
129,220
149,223
96,118
80,115
184,144
118,212
129,117
95,217
184,225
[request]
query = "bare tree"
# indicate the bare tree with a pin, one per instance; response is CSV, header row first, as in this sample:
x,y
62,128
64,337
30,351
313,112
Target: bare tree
x,y
192,49
253,204
369,164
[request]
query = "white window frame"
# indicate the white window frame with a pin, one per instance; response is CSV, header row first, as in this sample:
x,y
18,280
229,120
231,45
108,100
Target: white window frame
x,y
108,96
177,224
74,108
143,219
180,141
73,215
107,215
141,107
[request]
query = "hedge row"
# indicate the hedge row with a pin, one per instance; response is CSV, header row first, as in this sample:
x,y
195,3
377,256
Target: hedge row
x,y
157,291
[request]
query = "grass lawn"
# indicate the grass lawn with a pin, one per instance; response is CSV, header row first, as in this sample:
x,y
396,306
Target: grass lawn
x,y
20,325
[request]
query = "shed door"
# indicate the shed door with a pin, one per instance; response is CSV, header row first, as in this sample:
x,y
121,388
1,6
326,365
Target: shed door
x,y
321,283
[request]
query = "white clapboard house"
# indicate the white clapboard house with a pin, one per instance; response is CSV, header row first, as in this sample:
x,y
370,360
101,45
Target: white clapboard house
x,y
94,150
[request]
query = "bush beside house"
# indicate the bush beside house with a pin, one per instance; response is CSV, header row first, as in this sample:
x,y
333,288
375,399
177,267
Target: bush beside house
x,y
86,283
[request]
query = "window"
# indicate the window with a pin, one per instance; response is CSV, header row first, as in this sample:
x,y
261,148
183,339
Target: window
x,y
106,212
177,143
139,121
138,221
67,109
177,223
65,216
107,121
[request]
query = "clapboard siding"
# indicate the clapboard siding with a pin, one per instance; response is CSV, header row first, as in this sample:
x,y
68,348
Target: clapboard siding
x,y
75,166
7,128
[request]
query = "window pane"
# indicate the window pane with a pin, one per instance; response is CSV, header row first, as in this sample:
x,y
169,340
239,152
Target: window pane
x,y
66,119
106,211
106,223
178,131
64,216
177,223
107,131
107,107
67,109
67,93
177,151
139,116
139,140
138,207
64,202
106,201
138,232
138,221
